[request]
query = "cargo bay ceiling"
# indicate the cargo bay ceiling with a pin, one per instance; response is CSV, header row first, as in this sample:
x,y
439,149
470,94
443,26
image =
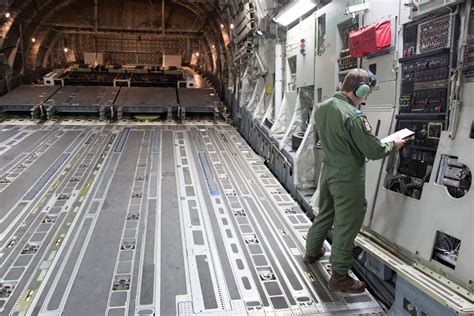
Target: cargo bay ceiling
x,y
50,33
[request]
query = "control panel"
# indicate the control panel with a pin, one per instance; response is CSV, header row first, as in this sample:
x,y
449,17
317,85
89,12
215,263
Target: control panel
x,y
435,33
410,33
345,60
418,155
423,103
424,85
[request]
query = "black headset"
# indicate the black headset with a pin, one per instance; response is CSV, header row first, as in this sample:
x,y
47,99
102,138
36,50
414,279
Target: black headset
x,y
363,88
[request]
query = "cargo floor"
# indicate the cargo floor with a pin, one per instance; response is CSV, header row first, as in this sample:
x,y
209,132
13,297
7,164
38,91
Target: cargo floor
x,y
163,219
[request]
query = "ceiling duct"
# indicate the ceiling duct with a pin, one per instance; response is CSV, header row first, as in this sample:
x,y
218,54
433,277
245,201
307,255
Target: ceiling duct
x,y
420,8
245,22
244,51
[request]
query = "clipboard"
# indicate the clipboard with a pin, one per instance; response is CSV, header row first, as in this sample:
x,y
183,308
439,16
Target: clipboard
x,y
402,134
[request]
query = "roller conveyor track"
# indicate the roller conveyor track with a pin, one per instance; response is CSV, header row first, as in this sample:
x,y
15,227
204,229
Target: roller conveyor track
x,y
170,219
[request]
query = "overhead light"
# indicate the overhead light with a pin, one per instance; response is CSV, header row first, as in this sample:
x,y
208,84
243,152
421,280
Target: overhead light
x,y
7,14
66,49
213,46
222,26
33,39
293,11
231,26
197,54
357,8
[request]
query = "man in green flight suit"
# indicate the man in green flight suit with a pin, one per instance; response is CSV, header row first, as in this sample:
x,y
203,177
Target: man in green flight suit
x,y
346,140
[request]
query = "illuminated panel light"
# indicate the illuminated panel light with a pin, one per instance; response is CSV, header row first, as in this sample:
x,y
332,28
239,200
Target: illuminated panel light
x,y
231,26
7,15
33,40
293,11
197,54
66,50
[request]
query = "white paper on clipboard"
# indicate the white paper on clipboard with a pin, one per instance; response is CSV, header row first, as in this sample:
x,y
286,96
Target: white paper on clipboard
x,y
403,133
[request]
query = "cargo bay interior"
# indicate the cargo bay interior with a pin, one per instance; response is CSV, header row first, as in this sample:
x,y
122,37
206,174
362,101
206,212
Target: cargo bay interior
x,y
158,157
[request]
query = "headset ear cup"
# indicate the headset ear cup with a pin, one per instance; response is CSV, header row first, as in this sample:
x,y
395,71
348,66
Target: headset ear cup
x,y
362,91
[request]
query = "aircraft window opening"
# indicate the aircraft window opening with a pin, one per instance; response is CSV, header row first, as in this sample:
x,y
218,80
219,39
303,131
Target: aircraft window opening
x,y
446,249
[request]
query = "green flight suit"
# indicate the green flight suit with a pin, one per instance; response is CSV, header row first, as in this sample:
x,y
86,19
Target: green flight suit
x,y
346,140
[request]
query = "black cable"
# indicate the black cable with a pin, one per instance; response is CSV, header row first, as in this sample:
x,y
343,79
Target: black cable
x,y
412,185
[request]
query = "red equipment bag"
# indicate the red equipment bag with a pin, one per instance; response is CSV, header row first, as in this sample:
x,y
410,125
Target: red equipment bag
x,y
370,39
355,43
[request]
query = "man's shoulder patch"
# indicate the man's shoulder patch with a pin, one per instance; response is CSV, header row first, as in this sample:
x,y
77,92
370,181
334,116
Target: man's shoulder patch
x,y
367,126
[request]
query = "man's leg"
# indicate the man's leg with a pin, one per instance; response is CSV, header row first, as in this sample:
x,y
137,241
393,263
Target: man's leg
x,y
323,221
349,198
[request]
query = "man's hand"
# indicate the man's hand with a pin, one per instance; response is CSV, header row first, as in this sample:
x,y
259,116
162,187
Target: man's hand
x,y
399,142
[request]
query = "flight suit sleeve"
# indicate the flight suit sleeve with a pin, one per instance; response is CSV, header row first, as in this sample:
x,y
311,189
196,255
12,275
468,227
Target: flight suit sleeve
x,y
366,142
